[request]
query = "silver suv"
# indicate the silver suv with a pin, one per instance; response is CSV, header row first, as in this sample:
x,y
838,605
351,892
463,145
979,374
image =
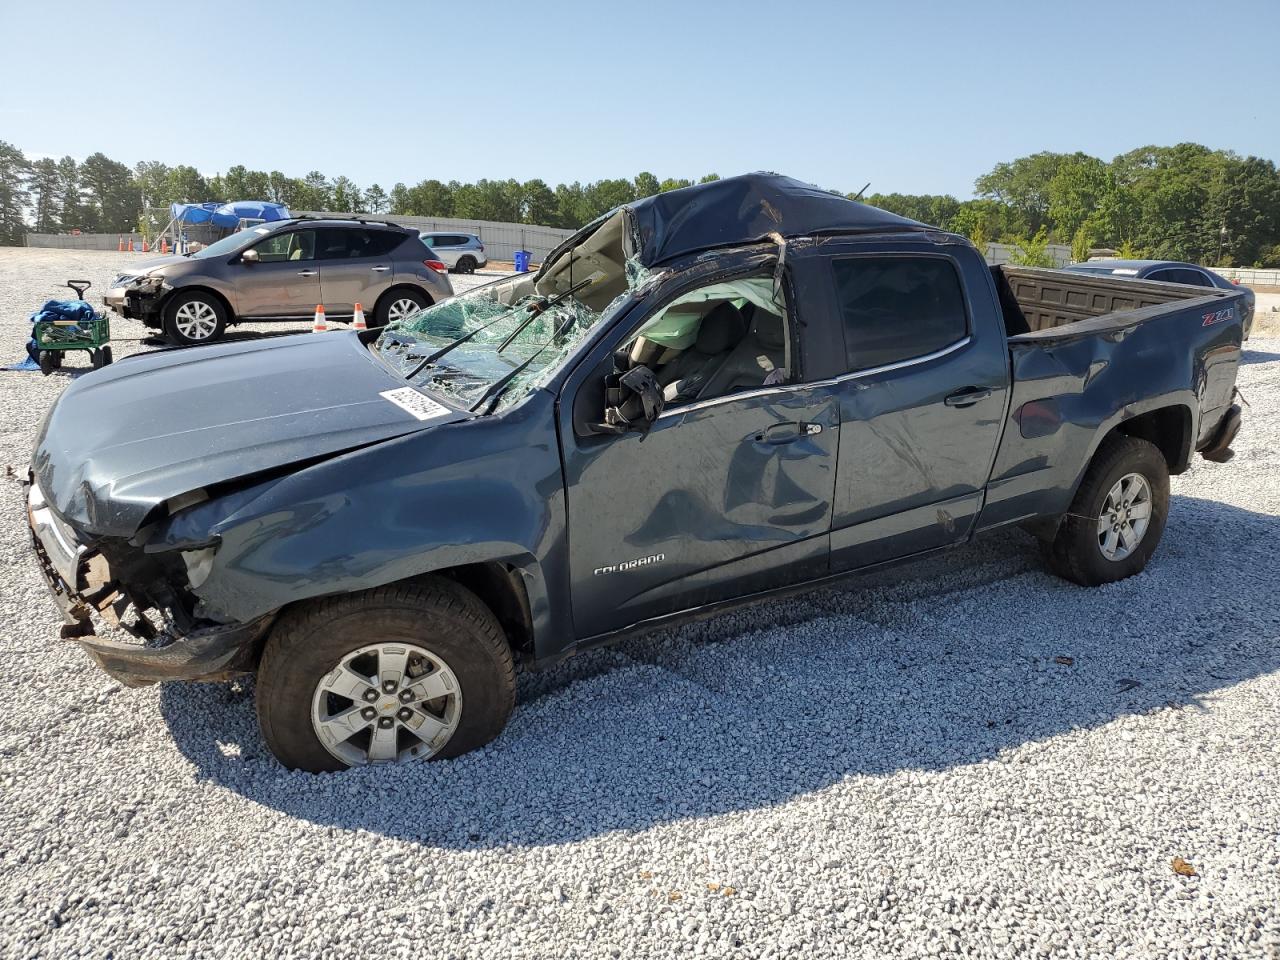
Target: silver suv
x,y
463,252
281,271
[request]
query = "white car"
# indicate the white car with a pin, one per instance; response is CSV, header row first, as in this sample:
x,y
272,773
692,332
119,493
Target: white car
x,y
461,252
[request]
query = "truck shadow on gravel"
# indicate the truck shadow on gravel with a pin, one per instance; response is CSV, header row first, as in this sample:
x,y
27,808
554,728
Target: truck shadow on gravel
x,y
948,662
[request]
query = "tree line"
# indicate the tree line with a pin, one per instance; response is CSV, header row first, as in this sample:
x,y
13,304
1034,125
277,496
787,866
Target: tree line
x,y
1184,202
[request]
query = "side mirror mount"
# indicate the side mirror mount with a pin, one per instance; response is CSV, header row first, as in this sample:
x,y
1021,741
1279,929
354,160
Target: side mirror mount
x,y
249,257
633,401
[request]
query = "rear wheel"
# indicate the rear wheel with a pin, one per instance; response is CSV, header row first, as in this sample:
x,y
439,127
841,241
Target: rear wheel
x,y
106,356
50,360
398,304
194,318
402,673
1118,515
466,264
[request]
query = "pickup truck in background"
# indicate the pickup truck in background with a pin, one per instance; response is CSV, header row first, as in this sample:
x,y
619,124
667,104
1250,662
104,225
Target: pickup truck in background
x,y
704,398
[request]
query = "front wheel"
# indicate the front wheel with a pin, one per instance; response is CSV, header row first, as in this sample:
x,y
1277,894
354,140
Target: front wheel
x,y
1118,515
466,265
410,672
50,360
191,319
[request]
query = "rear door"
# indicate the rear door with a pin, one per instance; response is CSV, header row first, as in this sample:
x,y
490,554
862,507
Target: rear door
x,y
922,400
284,283
355,266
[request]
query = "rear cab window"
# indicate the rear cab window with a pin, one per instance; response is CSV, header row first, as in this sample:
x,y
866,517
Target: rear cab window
x,y
898,308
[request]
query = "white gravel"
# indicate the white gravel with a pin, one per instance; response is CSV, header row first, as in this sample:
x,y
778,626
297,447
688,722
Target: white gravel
x,y
964,757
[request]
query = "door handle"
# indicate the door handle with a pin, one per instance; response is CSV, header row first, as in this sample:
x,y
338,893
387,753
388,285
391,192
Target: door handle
x,y
306,273
967,397
379,269
787,432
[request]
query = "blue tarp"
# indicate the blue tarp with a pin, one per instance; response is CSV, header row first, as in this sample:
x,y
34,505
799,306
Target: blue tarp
x,y
228,215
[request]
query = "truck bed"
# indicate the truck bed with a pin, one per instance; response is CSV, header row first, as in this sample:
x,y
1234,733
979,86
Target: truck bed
x,y
1088,352
1035,300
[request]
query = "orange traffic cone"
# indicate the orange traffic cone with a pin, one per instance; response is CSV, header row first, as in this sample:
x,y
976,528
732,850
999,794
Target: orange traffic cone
x,y
145,248
319,325
164,245
357,321
119,243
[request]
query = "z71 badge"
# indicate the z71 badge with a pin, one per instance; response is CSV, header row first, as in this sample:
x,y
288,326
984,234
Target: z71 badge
x,y
1221,315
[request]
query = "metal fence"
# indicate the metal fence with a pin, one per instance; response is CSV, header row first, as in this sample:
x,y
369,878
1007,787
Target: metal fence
x,y
501,240
998,253
1250,277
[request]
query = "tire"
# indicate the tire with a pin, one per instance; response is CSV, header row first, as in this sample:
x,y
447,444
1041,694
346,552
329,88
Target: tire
x,y
392,304
95,357
466,264
194,318
106,356
1079,551
49,361
433,615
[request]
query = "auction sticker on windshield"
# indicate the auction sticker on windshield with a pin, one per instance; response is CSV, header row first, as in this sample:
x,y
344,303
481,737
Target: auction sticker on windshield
x,y
407,398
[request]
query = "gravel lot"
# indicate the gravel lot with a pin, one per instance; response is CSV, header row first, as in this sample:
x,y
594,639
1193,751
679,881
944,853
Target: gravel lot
x,y
964,757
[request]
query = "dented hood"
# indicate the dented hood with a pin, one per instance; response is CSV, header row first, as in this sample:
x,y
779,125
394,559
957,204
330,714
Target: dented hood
x,y
121,441
747,209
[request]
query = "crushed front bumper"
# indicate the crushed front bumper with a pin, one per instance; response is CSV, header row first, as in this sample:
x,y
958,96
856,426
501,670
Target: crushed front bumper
x,y
211,653
133,303
81,585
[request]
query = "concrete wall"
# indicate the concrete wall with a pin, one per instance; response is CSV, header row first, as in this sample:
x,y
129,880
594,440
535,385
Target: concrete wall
x,y
501,240
65,241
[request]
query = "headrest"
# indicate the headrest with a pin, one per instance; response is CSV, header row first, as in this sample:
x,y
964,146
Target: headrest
x,y
769,330
721,329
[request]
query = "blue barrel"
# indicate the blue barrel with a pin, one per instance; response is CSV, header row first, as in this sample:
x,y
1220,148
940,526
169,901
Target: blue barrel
x,y
522,261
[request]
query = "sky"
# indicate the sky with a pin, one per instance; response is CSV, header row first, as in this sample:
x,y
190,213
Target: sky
x,y
914,96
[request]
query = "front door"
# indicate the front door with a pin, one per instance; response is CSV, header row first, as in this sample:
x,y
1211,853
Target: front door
x,y
355,266
284,282
725,496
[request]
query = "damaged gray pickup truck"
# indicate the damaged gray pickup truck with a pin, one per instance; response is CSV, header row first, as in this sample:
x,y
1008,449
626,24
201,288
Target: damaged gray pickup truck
x,y
706,397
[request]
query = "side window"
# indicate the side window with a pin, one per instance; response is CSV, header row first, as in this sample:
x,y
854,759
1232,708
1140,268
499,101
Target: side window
x,y
1165,276
382,242
1197,278
428,238
898,308
716,340
292,245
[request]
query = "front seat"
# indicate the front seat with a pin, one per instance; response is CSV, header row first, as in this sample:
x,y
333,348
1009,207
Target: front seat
x,y
684,378
762,352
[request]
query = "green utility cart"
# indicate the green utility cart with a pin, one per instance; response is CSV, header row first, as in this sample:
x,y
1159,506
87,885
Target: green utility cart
x,y
53,337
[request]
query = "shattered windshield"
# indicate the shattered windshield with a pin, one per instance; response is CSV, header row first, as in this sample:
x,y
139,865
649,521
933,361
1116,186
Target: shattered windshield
x,y
542,334
487,349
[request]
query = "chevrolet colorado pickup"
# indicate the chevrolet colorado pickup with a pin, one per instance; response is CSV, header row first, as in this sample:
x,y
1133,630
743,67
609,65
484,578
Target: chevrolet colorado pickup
x,y
706,397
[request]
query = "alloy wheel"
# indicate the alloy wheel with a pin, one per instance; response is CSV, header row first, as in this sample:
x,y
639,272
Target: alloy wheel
x,y
1125,516
196,320
402,308
386,703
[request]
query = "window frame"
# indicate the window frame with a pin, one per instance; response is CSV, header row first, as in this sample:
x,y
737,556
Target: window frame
x,y
837,302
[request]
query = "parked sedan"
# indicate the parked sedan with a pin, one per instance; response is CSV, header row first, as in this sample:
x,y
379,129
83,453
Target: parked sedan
x,y
1170,271
282,271
462,252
